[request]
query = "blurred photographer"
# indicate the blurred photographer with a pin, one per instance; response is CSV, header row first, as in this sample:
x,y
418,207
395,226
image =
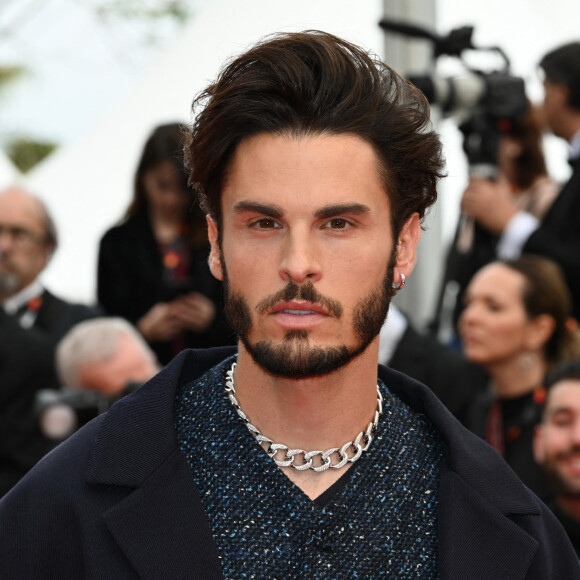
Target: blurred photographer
x,y
98,362
556,235
521,184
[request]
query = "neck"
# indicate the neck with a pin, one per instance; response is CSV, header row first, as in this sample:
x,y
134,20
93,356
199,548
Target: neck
x,y
511,379
315,413
24,293
570,505
166,229
570,126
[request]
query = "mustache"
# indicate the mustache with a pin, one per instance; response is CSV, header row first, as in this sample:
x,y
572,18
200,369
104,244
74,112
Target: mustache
x,y
569,452
306,292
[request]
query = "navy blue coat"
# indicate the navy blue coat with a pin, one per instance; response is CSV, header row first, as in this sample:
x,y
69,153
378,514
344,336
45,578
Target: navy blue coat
x,y
118,501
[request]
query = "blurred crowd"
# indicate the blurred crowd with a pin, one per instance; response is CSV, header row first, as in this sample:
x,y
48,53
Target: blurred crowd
x,y
510,372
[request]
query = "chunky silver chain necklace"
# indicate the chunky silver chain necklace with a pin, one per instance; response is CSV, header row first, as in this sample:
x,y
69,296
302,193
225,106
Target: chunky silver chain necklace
x,y
323,459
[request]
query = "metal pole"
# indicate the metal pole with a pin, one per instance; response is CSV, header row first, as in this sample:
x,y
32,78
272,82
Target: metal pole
x,y
408,56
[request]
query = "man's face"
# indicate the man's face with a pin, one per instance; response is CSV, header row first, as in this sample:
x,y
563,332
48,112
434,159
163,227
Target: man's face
x,y
306,252
24,251
557,439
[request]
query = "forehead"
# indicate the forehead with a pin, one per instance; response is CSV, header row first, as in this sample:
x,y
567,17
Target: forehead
x,y
128,358
565,394
165,169
307,169
20,209
498,281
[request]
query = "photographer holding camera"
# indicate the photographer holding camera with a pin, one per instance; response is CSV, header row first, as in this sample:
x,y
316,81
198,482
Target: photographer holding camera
x,y
99,361
521,183
557,234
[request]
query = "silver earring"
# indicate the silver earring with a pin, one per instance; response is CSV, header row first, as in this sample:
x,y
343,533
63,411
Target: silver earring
x,y
401,284
527,360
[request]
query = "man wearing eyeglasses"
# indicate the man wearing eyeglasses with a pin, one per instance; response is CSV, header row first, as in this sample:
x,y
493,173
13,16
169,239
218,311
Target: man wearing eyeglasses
x,y
28,238
32,320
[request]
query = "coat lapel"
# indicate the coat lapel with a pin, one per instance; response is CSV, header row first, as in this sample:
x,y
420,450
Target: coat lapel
x,y
480,498
476,540
161,527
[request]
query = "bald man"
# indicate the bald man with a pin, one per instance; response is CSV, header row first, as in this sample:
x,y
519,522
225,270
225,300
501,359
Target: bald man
x,y
28,239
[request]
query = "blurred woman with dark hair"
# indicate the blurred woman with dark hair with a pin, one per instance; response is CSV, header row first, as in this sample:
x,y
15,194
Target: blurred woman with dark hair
x,y
516,324
152,267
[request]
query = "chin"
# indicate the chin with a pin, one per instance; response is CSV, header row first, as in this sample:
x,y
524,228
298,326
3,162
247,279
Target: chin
x,y
472,355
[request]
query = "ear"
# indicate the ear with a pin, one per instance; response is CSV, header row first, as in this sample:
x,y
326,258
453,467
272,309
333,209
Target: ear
x,y
563,95
538,444
214,260
48,251
540,329
407,245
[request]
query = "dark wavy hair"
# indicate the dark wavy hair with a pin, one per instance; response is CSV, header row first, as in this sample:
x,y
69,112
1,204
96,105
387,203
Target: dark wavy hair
x,y
530,163
314,83
562,66
569,370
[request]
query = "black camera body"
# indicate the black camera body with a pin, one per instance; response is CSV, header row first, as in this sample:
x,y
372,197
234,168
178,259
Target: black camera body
x,y
61,412
486,103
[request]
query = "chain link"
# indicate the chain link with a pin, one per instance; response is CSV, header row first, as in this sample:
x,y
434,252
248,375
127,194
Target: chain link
x,y
315,460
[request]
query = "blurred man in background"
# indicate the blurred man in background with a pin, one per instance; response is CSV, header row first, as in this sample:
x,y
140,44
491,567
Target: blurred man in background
x,y
99,361
557,447
28,239
104,355
32,320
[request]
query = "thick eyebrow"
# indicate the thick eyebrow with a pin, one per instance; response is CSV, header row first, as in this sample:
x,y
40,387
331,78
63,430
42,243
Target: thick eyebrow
x,y
271,210
329,211
558,410
326,212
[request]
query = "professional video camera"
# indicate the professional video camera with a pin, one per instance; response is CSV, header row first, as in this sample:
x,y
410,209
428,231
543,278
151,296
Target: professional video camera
x,y
485,103
61,412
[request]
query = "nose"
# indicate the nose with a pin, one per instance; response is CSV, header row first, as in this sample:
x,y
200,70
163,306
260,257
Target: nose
x,y
299,259
468,318
470,313
6,239
576,432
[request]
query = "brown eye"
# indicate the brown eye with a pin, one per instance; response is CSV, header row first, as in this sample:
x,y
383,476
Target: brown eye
x,y
266,224
337,224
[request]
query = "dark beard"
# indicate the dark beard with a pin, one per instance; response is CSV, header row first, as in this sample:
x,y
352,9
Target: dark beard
x,y
295,358
9,284
558,485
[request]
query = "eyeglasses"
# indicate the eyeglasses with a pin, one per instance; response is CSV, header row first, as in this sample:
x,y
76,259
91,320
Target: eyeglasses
x,y
21,236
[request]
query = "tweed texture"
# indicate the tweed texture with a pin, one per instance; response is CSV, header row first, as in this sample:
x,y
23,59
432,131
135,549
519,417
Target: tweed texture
x,y
379,519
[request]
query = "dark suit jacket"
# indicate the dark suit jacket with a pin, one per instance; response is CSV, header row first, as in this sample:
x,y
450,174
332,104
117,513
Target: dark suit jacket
x,y
117,500
26,366
130,281
558,236
443,369
56,317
